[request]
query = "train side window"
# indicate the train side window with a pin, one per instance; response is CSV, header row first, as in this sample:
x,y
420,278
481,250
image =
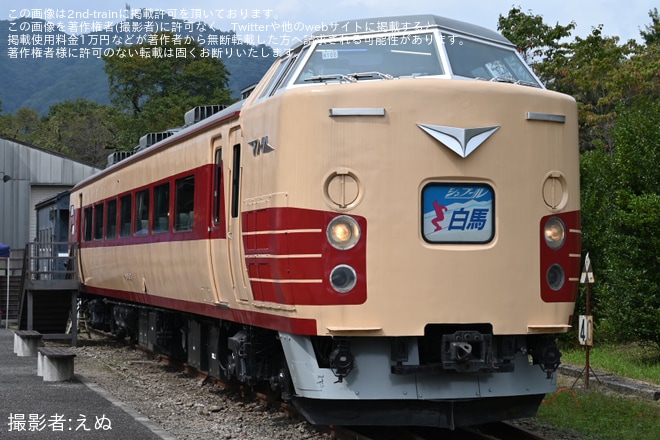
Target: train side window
x,y
236,180
87,235
161,219
275,78
218,188
125,216
111,219
142,212
98,221
184,204
291,68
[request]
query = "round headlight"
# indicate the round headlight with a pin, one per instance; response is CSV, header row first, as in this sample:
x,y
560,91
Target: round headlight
x,y
555,232
555,277
343,278
343,232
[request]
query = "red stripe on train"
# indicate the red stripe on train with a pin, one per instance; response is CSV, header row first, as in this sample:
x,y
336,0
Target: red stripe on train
x,y
279,323
567,256
289,259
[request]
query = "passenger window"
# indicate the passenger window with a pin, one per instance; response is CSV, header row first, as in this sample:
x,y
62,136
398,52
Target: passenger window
x,y
111,219
142,212
161,219
125,216
87,236
184,210
98,222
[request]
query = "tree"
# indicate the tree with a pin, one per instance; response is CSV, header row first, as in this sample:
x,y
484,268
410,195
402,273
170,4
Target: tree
x,y
652,33
622,216
80,129
534,39
155,83
21,125
617,89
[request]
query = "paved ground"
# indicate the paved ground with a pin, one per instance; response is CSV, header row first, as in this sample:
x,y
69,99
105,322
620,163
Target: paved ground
x,y
33,409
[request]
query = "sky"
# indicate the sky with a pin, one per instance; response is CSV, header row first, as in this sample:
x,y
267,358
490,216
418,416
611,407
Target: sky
x,y
619,18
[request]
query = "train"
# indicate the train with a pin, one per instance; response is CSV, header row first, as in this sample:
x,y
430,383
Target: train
x,y
384,231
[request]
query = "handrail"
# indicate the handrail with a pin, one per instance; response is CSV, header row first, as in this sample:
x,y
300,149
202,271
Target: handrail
x,y
51,261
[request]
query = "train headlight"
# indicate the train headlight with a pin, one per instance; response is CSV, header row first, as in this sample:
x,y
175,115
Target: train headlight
x,y
343,232
555,232
555,277
343,278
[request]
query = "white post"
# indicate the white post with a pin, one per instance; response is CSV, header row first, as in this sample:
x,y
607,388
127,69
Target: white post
x,y
7,310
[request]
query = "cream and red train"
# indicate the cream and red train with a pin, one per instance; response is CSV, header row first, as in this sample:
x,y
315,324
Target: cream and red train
x,y
387,229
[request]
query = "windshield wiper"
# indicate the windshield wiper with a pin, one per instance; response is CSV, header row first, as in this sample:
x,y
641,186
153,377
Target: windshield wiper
x,y
334,76
527,83
502,79
349,77
361,75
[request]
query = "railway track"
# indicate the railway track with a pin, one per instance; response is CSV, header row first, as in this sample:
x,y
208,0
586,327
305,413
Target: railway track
x,y
492,431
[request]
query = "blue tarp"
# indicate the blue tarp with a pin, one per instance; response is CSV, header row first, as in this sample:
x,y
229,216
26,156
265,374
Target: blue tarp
x,y
4,251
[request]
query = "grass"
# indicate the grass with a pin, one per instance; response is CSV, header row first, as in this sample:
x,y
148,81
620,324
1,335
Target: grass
x,y
602,416
631,360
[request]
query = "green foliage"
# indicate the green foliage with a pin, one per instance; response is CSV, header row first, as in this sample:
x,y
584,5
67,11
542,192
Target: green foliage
x,y
600,416
617,89
533,38
21,125
82,129
156,90
621,218
634,361
651,34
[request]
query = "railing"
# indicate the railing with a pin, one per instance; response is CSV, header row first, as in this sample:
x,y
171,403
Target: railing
x,y
51,261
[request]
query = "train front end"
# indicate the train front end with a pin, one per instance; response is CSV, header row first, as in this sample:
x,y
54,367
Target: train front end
x,y
431,220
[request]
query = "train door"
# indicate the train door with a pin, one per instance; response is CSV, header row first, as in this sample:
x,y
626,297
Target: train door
x,y
234,230
75,229
218,250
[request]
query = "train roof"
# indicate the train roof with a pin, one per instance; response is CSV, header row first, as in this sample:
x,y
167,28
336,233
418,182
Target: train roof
x,y
408,22
228,112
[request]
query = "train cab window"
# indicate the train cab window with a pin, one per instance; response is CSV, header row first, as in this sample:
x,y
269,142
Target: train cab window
x,y
473,59
111,219
142,212
414,55
98,222
184,201
88,216
125,216
161,218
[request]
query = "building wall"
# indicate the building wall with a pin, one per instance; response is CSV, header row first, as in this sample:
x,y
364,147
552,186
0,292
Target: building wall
x,y
36,174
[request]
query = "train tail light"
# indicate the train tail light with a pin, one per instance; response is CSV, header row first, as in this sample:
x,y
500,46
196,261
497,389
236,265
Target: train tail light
x,y
343,278
555,277
559,256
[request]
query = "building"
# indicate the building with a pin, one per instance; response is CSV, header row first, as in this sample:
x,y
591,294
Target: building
x,y
29,175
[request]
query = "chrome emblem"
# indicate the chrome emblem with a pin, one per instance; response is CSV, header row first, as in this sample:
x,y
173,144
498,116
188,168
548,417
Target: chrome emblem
x,y
461,141
260,146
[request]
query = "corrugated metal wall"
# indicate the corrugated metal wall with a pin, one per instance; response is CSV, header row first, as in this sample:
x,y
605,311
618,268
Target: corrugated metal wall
x,y
36,174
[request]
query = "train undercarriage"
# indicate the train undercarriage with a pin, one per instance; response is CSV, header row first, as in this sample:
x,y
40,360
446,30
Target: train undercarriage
x,y
452,376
